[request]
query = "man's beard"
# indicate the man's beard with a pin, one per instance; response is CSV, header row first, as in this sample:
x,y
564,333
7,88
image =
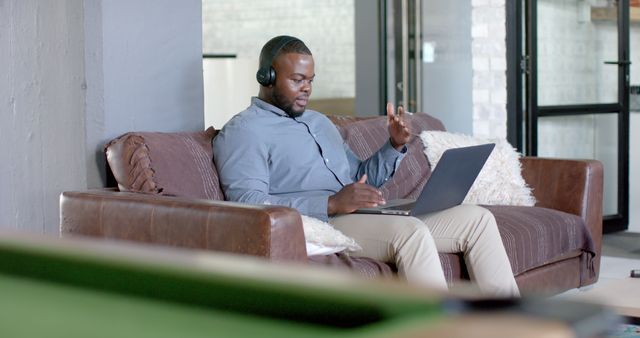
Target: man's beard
x,y
287,107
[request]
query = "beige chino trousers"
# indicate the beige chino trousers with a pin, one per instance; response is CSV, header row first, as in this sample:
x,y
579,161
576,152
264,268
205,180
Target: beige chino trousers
x,y
413,245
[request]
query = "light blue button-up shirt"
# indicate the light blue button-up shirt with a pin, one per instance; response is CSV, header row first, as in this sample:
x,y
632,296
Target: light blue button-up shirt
x,y
264,156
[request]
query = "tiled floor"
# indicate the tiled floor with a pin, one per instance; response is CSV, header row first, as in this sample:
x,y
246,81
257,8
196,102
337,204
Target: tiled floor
x,y
617,267
614,275
611,268
621,254
622,244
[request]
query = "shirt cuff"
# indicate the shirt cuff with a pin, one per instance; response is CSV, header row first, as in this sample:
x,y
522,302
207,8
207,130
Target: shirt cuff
x,y
317,207
388,152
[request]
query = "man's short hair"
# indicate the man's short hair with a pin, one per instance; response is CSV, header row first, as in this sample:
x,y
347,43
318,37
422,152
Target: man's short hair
x,y
294,46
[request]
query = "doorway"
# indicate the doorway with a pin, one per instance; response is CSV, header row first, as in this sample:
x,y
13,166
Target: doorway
x,y
575,89
429,58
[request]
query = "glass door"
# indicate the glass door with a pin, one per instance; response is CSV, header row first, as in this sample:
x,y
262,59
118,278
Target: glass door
x,y
578,90
402,35
634,118
429,56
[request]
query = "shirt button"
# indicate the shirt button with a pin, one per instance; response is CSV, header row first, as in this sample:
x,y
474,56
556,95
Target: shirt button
x,y
326,160
314,135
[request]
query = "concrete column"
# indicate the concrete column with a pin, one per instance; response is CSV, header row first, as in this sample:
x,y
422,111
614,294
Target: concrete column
x,y
76,73
42,106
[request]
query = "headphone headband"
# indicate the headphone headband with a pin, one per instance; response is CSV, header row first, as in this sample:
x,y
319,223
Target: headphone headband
x,y
266,75
268,62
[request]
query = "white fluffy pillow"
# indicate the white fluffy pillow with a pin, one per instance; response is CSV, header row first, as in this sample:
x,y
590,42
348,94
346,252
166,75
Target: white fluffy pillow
x,y
500,181
324,239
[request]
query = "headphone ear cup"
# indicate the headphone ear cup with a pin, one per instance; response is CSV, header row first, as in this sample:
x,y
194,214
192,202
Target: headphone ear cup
x,y
266,76
263,75
272,76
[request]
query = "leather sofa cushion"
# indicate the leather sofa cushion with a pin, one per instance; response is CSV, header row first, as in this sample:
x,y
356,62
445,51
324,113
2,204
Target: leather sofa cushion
x,y
174,164
366,136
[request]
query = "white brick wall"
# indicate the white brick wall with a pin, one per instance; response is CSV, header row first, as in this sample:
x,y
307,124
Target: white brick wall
x,y
568,56
242,27
489,50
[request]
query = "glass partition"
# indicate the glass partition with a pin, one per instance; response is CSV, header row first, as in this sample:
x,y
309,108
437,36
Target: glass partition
x,y
575,39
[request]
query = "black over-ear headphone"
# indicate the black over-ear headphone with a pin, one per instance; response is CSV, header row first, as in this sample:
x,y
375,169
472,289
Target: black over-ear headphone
x,y
266,75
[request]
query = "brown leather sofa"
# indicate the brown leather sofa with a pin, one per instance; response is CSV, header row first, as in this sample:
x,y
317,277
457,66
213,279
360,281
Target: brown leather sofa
x,y
168,193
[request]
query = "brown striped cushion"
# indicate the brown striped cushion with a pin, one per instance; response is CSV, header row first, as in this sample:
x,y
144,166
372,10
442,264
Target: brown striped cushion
x,y
176,164
533,237
365,267
366,136
536,236
454,267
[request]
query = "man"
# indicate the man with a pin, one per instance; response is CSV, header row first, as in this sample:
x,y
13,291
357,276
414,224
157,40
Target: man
x,y
277,152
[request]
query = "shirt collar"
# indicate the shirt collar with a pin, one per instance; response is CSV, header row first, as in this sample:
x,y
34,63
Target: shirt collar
x,y
267,106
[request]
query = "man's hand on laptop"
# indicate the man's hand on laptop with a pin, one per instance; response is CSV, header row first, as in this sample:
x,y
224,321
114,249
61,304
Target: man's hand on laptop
x,y
354,196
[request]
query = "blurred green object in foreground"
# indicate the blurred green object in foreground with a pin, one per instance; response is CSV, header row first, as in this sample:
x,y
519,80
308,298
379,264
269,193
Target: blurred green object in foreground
x,y
66,288
70,288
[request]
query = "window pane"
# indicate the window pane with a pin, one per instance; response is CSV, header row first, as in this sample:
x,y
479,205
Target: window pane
x,y
585,137
447,56
575,38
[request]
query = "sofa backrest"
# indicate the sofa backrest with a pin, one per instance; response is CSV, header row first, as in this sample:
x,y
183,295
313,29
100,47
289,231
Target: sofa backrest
x,y
173,164
180,164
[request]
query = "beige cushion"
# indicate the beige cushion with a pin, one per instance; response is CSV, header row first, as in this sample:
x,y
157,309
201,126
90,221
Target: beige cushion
x,y
323,239
500,181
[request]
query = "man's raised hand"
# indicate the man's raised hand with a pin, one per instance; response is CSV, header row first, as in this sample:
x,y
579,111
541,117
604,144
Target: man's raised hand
x,y
398,131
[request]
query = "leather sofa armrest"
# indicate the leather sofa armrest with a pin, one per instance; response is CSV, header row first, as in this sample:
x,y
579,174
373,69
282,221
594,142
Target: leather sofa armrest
x,y
273,232
572,186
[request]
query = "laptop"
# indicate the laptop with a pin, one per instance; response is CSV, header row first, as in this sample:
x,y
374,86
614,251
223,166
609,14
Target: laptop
x,y
447,187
